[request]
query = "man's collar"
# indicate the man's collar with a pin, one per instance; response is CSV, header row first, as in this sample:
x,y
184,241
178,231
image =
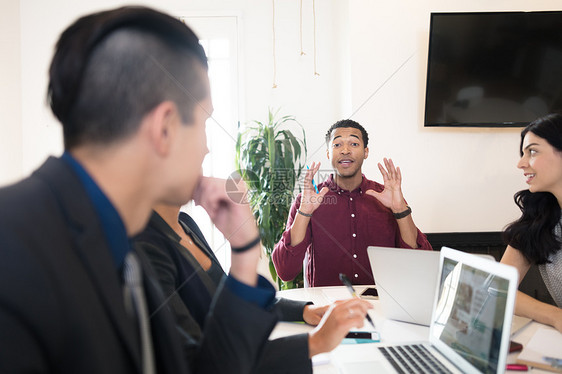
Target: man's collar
x,y
110,220
332,185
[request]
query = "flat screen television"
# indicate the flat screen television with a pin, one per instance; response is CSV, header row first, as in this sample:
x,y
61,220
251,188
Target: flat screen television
x,y
494,69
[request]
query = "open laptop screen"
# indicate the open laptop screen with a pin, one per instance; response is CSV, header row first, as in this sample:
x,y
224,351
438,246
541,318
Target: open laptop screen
x,y
470,312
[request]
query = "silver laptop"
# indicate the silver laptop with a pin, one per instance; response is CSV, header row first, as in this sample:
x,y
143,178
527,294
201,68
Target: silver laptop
x,y
470,323
406,281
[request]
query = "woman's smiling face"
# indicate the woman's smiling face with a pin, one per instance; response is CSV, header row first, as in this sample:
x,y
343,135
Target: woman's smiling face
x,y
542,165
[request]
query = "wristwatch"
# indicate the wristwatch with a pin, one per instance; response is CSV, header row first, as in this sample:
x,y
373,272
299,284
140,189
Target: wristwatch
x,y
403,214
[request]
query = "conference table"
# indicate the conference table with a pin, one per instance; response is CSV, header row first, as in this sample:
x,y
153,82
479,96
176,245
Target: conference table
x,y
390,331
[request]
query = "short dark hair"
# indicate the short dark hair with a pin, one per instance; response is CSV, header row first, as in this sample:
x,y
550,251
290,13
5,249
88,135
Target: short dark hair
x,y
348,123
113,67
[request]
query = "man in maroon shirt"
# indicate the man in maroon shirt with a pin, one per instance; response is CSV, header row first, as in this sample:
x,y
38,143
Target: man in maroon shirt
x,y
334,227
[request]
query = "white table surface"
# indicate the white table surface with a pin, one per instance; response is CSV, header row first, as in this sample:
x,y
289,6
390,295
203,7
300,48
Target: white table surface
x,y
390,331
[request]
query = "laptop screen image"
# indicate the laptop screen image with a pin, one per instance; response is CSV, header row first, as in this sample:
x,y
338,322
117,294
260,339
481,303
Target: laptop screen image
x,y
472,314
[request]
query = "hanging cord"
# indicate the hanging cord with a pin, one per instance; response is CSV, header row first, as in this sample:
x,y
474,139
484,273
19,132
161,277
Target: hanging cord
x,y
314,18
302,52
274,57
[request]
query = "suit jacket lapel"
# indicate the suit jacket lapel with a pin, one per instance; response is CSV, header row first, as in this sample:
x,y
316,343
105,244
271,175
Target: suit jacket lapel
x,y
92,249
196,231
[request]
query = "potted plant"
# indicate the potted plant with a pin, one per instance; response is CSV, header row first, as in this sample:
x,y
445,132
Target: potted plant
x,y
270,159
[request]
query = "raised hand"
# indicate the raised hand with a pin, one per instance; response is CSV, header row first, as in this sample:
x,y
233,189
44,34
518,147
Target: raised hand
x,y
391,196
310,200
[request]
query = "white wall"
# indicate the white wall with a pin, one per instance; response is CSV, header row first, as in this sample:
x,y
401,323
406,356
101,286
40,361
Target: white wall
x,y
10,93
322,96
455,179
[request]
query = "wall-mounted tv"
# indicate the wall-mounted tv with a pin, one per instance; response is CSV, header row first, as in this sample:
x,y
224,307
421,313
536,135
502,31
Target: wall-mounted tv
x,y
494,69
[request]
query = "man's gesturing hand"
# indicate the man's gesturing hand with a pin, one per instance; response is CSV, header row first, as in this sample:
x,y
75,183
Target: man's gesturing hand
x,y
310,200
391,196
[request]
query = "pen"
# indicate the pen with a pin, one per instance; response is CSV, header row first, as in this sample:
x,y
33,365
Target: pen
x,y
313,183
346,282
517,367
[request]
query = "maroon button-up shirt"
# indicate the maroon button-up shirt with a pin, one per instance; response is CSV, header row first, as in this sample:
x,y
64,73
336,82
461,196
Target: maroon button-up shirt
x,y
338,235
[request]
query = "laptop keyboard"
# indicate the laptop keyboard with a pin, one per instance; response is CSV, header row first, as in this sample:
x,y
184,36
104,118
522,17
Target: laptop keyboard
x,y
414,358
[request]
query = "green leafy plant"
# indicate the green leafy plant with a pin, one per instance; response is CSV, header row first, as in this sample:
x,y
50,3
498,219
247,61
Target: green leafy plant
x,y
270,159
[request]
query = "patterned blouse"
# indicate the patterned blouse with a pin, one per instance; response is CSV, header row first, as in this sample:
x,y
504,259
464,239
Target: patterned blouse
x,y
552,272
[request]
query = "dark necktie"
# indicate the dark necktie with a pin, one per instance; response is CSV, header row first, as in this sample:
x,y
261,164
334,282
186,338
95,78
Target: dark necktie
x,y
135,304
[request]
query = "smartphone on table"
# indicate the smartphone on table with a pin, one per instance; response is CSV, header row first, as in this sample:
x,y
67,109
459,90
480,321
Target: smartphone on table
x,y
370,293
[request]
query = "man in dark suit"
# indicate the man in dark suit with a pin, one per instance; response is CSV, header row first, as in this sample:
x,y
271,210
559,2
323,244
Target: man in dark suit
x,y
130,88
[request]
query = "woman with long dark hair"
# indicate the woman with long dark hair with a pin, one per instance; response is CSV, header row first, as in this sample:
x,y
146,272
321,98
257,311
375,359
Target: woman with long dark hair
x,y
536,237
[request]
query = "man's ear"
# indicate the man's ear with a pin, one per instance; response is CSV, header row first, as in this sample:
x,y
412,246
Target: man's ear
x,y
366,152
163,121
328,153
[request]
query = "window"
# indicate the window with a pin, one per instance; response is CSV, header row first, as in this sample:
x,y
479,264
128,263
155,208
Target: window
x,y
219,37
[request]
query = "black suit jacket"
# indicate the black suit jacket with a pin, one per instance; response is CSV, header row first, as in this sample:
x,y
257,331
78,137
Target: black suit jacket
x,y
187,289
61,301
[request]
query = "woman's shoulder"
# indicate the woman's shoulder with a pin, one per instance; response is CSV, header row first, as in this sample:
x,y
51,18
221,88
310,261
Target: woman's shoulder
x,y
155,244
